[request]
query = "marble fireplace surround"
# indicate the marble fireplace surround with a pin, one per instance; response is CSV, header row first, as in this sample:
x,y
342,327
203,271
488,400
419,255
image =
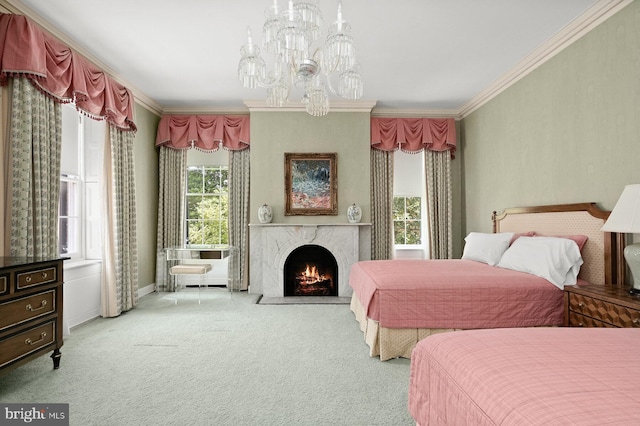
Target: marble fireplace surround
x,y
271,243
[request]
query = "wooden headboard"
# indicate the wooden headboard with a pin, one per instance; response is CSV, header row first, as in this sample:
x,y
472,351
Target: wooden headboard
x,y
602,254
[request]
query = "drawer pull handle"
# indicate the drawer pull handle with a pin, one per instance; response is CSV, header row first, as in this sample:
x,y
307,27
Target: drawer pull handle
x,y
581,305
28,278
44,275
42,305
636,321
28,340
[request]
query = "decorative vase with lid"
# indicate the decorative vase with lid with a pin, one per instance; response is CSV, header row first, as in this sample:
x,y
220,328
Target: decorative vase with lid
x,y
265,214
354,213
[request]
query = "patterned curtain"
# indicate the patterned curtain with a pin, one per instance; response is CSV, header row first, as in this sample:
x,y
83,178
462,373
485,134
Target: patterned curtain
x,y
439,200
381,204
35,147
120,260
172,176
5,172
239,217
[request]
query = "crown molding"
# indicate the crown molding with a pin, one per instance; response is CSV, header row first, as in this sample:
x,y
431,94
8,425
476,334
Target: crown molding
x,y
7,6
335,106
415,113
18,7
207,110
584,23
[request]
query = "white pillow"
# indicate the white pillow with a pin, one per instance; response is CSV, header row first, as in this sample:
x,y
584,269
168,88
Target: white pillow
x,y
557,260
486,248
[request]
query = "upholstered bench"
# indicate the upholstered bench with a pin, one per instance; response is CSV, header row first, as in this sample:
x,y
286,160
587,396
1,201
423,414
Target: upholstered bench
x,y
191,269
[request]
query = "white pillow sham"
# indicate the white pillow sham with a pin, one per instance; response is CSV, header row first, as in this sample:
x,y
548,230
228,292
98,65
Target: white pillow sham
x,y
486,248
557,260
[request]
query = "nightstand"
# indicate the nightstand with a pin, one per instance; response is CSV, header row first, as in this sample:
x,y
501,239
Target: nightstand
x,y
600,306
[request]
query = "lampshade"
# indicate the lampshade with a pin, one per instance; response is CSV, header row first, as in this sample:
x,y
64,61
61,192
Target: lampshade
x,y
625,216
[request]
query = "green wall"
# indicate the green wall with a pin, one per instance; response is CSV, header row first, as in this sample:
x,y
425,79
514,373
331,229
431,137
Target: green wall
x,y
567,132
274,133
146,175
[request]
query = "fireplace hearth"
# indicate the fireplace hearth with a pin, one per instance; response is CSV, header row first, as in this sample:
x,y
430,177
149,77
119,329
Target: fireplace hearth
x,y
310,270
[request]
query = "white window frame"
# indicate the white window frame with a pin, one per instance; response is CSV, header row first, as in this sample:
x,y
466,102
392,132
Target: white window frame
x,y
409,181
74,214
87,209
187,194
421,220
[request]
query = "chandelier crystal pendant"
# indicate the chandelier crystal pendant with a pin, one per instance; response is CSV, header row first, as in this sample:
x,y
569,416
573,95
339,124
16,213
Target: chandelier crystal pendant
x,y
296,63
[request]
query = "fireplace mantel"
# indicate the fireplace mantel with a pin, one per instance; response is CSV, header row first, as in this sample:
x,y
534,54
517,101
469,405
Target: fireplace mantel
x,y
271,243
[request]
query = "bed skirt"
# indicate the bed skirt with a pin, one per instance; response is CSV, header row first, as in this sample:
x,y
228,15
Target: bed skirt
x,y
388,343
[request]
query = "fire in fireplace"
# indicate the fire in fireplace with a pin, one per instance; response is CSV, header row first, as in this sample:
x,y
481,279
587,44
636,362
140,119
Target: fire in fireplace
x,y
311,270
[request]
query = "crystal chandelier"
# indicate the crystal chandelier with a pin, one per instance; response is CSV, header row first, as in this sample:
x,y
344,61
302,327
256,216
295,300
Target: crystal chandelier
x,y
289,37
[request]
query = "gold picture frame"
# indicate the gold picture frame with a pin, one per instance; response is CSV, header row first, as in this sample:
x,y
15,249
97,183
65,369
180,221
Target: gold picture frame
x,y
311,184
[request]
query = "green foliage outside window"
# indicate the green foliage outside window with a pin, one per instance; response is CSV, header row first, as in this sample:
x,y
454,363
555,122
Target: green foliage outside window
x,y
407,218
207,205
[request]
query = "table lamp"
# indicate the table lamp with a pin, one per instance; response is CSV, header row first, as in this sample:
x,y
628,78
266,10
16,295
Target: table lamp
x,y
625,217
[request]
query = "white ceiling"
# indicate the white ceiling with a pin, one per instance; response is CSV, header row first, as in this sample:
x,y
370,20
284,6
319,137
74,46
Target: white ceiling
x,y
421,55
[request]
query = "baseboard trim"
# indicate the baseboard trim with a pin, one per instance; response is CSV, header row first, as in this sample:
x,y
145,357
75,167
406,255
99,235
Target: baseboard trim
x,y
148,289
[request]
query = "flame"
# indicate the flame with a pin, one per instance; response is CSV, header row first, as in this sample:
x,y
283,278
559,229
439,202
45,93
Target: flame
x,y
310,275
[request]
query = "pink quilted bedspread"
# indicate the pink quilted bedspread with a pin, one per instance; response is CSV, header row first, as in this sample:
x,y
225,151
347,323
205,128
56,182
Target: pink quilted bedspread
x,y
532,376
453,293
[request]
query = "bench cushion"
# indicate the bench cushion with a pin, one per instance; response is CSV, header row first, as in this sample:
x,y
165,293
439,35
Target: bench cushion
x,y
186,269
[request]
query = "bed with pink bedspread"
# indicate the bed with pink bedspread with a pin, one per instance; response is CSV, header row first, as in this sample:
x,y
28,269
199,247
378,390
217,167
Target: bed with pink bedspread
x,y
458,294
532,376
399,302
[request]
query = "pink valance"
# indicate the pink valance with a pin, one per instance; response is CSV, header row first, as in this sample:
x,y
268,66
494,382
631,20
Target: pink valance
x,y
56,70
204,132
413,134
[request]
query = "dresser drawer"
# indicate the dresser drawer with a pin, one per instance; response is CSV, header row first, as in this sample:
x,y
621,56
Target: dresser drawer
x,y
616,315
30,309
4,284
25,309
577,320
26,342
35,277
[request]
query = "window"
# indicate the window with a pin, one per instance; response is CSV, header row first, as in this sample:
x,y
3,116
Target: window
x,y
409,206
407,220
79,232
69,217
207,205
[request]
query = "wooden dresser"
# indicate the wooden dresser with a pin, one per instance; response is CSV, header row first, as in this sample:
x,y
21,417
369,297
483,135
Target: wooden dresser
x,y
600,306
30,310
